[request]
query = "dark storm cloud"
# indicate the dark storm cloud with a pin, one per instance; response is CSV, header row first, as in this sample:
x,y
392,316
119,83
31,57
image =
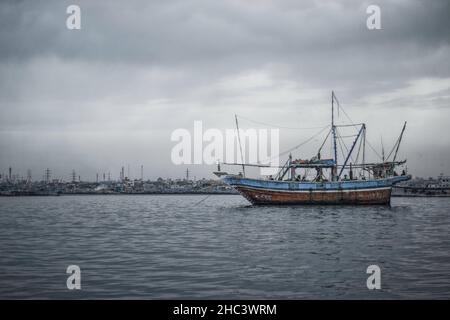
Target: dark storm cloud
x,y
153,66
201,34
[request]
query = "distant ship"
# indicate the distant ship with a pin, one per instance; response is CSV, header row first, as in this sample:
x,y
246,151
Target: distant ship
x,y
418,187
357,183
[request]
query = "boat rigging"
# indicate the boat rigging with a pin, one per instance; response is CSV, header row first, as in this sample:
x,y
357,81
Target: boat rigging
x,y
350,179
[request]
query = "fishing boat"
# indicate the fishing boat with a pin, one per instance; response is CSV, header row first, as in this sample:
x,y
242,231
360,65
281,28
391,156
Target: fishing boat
x,y
325,181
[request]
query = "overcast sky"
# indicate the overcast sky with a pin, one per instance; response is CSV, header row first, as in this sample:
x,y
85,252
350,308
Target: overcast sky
x,y
112,93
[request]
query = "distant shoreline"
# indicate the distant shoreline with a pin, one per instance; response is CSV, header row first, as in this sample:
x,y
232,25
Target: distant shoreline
x,y
421,195
174,194
119,194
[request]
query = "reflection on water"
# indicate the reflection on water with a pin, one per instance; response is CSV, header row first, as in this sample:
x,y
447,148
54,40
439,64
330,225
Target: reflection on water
x,y
176,247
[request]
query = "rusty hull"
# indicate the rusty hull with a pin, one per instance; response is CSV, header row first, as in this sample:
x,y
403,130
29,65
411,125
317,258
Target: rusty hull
x,y
380,196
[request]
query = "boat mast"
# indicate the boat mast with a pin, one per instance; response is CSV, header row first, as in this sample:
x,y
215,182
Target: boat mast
x,y
333,130
363,127
240,145
399,141
364,154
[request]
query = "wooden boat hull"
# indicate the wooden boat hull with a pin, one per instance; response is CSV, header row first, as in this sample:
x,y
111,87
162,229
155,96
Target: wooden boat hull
x,y
264,197
356,192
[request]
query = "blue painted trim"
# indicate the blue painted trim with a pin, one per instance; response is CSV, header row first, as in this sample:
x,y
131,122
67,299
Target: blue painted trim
x,y
306,186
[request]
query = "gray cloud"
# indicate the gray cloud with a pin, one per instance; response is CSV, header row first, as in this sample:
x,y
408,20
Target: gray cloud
x,y
112,92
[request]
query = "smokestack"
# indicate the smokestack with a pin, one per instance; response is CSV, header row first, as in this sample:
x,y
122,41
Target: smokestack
x,y
47,175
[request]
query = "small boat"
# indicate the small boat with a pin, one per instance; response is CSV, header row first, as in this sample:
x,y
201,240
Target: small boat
x,y
347,183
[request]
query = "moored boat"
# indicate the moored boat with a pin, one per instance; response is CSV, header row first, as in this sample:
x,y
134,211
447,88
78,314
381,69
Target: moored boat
x,y
259,191
357,183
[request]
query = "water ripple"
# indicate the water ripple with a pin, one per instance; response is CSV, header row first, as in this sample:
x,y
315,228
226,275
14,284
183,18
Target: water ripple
x,y
172,247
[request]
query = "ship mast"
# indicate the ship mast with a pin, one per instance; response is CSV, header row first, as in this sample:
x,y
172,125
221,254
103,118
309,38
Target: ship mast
x,y
399,141
333,130
240,145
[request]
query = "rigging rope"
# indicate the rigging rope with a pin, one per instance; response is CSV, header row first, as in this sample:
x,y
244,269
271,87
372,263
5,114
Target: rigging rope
x,y
340,146
240,145
275,126
324,141
318,133
304,142
355,125
195,204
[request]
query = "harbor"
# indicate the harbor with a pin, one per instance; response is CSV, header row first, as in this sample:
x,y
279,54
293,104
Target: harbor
x,y
416,187
224,155
420,187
